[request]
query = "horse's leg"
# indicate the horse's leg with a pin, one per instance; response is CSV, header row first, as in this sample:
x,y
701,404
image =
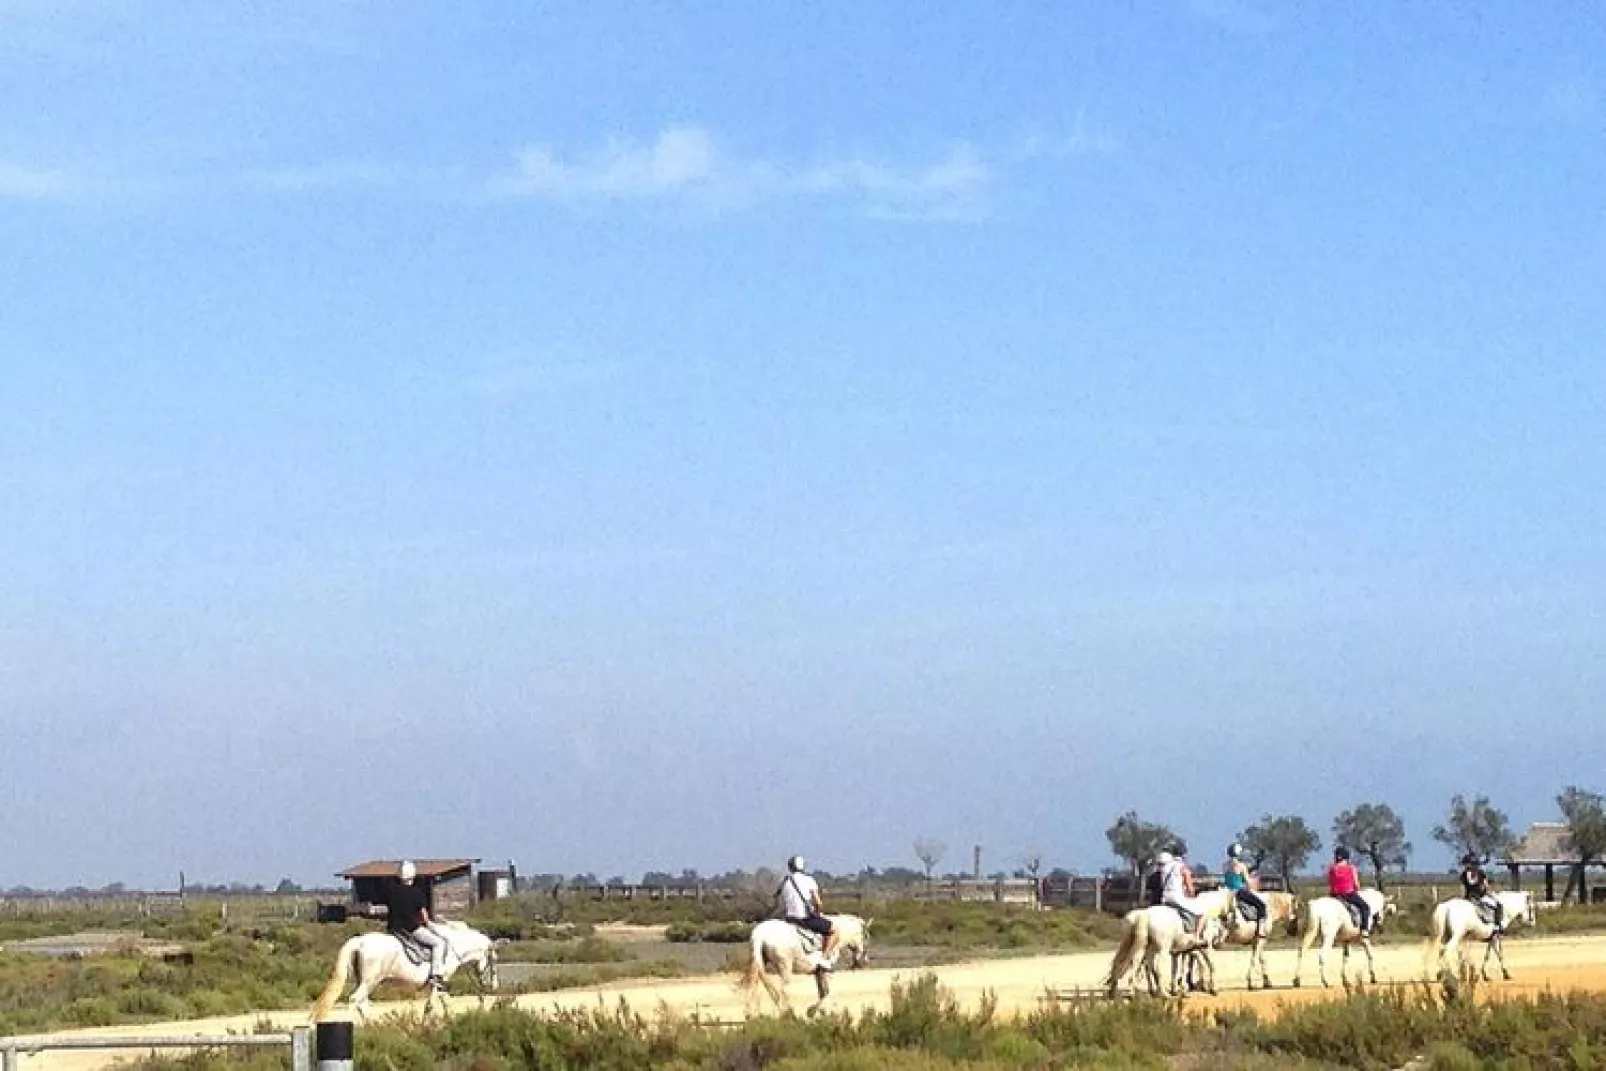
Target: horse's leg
x,y
1321,961
822,987
1371,964
1452,954
1497,949
1305,943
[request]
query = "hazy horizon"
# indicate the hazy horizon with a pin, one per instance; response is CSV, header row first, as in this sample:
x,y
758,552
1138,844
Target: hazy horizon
x,y
623,437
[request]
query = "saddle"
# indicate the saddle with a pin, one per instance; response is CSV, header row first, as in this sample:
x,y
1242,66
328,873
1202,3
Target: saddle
x,y
416,953
1188,917
812,942
1250,911
1485,911
1354,913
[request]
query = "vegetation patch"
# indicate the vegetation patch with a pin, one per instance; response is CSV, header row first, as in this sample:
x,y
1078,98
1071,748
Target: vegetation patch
x,y
926,1028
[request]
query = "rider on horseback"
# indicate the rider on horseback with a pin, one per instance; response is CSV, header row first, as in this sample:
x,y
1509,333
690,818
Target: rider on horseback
x,y
800,900
407,915
1235,876
1177,889
1343,883
1475,887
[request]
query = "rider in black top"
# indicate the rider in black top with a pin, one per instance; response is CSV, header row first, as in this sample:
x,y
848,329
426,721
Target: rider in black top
x,y
1475,887
406,908
407,913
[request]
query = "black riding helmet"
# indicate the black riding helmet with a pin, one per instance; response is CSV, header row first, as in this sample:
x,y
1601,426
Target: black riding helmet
x,y
1341,852
1469,860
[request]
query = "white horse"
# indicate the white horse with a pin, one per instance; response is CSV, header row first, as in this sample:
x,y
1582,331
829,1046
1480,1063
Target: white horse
x,y
1282,909
377,957
1152,932
1459,919
1328,920
778,947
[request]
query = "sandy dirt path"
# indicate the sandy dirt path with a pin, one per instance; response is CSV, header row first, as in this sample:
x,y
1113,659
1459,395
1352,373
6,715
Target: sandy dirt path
x,y
1019,985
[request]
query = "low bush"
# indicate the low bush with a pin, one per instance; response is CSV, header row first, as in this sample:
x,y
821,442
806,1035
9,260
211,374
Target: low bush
x,y
925,1028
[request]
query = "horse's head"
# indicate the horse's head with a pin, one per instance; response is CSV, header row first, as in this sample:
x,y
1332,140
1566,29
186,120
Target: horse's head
x,y
1521,907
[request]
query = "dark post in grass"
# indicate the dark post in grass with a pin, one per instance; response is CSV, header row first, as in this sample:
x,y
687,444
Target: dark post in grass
x,y
334,1046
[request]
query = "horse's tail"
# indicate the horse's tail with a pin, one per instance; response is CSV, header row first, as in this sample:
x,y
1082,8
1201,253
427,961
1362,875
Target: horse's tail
x,y
345,960
753,971
1137,932
1437,930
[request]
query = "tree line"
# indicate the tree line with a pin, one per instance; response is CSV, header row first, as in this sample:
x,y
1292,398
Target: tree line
x,y
1284,843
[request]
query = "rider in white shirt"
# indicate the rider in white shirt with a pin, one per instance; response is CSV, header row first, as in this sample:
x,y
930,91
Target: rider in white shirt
x,y
801,903
1176,884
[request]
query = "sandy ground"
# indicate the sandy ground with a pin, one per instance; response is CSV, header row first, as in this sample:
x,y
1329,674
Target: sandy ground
x,y
1019,985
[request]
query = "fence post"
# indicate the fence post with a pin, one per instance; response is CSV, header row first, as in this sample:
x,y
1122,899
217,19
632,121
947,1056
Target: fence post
x,y
8,1058
301,1049
334,1046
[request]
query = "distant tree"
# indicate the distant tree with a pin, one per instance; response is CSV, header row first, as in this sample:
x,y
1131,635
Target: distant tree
x,y
286,887
689,876
657,877
617,880
930,853
1585,813
1283,841
585,879
1475,828
1138,843
1032,862
897,875
1375,831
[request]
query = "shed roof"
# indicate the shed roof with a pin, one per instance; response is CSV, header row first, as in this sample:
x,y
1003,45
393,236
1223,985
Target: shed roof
x,y
427,868
1545,842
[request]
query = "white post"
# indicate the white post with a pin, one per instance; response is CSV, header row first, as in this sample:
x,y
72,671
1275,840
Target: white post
x,y
301,1049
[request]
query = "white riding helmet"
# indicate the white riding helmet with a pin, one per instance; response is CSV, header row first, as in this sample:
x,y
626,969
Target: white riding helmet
x,y
1235,849
408,871
797,864
1165,859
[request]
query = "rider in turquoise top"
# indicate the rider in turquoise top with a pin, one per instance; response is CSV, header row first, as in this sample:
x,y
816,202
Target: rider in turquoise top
x,y
1235,876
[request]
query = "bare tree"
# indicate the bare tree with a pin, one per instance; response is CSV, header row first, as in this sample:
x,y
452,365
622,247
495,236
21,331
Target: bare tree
x,y
1283,840
1140,843
1032,862
1477,828
930,853
1375,831
1585,812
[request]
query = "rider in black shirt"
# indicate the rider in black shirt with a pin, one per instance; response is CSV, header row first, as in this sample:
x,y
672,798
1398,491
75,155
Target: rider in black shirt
x,y
1475,887
407,912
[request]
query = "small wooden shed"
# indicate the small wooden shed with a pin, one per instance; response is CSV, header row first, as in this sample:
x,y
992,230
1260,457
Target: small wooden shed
x,y
449,883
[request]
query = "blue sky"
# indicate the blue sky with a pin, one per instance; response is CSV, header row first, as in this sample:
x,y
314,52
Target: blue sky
x,y
626,436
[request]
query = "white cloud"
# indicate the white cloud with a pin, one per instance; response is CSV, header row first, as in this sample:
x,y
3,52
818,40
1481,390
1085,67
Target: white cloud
x,y
1571,99
332,175
20,183
1235,16
684,164
510,381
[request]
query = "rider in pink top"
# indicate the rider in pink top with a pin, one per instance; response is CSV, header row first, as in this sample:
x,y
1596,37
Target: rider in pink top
x,y
1344,884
